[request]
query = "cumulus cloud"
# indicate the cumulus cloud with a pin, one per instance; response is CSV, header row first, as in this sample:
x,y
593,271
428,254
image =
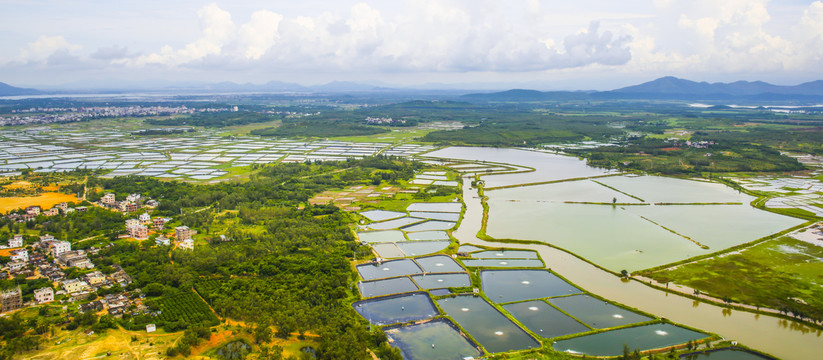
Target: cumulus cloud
x,y
430,36
45,46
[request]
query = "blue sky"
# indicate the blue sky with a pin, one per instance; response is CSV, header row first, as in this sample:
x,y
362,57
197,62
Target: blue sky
x,y
530,43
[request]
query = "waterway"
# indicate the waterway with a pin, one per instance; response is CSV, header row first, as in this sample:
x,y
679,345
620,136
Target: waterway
x,y
782,338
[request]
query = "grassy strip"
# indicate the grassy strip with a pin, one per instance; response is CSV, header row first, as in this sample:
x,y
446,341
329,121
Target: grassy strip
x,y
548,182
676,233
620,191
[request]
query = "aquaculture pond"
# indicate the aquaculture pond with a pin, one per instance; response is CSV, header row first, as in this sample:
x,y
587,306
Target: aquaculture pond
x,y
724,354
548,167
436,215
387,236
440,292
502,286
429,235
438,263
434,340
394,224
381,215
388,250
505,254
437,281
388,269
429,225
610,343
397,308
597,313
414,248
503,263
468,248
488,326
452,207
544,320
386,287
632,237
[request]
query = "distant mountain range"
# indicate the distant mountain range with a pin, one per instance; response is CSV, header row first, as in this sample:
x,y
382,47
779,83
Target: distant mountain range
x,y
8,90
665,88
671,88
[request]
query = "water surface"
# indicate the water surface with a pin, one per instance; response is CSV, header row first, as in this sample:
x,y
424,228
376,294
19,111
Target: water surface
x,y
502,286
386,287
610,343
434,340
396,308
388,269
544,320
597,313
489,327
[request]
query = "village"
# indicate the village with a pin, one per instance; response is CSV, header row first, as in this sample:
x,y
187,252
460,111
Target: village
x,y
68,276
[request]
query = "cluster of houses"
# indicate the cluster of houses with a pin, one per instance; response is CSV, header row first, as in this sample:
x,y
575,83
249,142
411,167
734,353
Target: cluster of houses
x,y
31,212
132,203
139,228
383,121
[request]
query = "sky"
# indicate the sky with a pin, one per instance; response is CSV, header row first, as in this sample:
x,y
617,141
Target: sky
x,y
539,44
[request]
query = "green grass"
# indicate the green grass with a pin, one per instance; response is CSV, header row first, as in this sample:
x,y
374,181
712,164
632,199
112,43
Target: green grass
x,y
397,135
771,274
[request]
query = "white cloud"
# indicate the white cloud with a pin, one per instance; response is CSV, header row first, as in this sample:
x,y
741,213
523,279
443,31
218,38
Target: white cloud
x,y
46,46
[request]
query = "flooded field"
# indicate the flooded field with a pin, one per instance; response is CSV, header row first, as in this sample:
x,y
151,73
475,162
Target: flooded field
x,y
489,327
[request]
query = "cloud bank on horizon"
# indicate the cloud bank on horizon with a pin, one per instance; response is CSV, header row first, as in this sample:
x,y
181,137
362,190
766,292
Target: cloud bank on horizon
x,y
413,41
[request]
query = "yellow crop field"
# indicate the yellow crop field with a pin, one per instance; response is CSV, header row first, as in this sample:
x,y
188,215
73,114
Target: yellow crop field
x,y
44,200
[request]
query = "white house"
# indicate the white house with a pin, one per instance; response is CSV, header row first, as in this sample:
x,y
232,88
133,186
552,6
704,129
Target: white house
x,y
44,295
16,241
20,255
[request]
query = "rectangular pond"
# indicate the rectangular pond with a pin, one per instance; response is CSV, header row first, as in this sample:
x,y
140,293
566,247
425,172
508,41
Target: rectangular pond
x,y
380,215
610,343
436,215
386,287
468,248
597,313
394,224
397,308
505,254
415,248
502,286
434,340
452,207
439,281
387,236
438,264
488,326
429,235
430,225
503,263
388,269
544,320
388,250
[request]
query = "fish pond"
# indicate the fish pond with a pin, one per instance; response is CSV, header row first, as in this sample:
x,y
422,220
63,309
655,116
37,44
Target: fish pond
x,y
381,215
505,254
503,263
503,286
597,313
396,308
647,337
387,236
544,320
434,340
438,264
725,354
388,269
489,327
429,225
429,235
386,287
414,248
439,281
